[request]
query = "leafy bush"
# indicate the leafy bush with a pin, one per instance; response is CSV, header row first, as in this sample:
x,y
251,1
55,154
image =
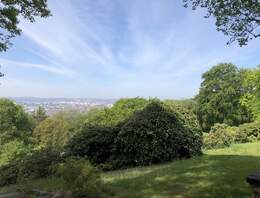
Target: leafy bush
x,y
38,163
33,164
248,132
94,142
9,173
82,179
220,136
155,134
10,150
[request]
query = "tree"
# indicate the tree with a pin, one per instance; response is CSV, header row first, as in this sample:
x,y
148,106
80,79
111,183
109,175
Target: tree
x,y
251,99
14,122
238,19
13,10
121,110
219,97
39,115
53,132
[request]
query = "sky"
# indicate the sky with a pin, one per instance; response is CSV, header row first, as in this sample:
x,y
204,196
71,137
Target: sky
x,y
115,49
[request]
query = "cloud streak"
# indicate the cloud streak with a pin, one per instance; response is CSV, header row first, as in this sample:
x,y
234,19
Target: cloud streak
x,y
123,48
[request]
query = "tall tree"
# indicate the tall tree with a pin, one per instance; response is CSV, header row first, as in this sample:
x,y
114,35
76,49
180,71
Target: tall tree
x,y
219,97
13,10
238,19
251,99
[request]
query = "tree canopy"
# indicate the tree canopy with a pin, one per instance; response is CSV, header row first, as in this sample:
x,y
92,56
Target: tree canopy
x,y
219,97
251,99
14,122
13,10
39,115
238,19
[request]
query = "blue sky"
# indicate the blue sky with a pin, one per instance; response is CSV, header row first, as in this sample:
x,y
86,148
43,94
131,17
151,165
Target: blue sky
x,y
113,49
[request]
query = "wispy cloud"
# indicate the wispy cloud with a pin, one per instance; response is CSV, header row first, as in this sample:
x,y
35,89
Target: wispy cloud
x,y
47,68
124,48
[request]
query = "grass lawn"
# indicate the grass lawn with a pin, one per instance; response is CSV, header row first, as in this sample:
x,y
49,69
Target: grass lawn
x,y
218,173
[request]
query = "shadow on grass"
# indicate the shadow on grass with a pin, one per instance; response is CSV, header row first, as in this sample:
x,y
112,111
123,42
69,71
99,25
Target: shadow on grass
x,y
207,176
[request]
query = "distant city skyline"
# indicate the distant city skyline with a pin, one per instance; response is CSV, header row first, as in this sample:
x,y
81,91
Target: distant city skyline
x,y
54,105
114,49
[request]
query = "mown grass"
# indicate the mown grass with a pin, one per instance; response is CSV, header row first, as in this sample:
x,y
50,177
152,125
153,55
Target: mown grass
x,y
218,173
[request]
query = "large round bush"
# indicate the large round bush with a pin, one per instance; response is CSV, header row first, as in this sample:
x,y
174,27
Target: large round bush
x,y
156,134
220,136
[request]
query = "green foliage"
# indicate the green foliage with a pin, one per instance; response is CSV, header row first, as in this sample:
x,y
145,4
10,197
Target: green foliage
x,y
39,115
219,97
121,110
14,122
93,142
10,13
53,132
240,19
155,134
249,132
82,179
28,165
9,173
220,136
185,111
10,150
38,163
190,104
251,99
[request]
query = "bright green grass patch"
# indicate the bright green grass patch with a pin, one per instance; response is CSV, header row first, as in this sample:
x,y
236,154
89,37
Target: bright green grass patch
x,y
217,174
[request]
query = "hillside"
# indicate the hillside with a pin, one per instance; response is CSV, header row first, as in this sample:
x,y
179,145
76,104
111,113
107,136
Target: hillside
x,y
218,173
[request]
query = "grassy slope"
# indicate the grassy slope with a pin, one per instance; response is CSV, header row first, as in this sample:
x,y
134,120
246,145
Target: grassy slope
x,y
219,173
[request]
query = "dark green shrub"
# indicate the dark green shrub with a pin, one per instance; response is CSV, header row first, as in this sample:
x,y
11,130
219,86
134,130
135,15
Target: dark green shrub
x,y
248,132
155,134
82,179
220,136
33,164
38,163
93,142
9,173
